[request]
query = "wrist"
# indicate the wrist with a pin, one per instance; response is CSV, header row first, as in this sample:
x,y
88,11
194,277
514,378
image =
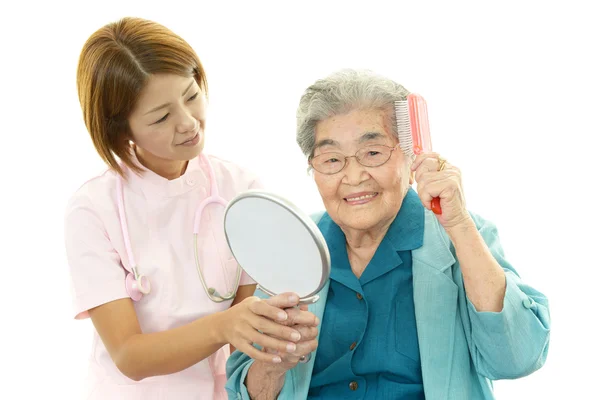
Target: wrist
x,y
264,380
218,328
271,370
465,227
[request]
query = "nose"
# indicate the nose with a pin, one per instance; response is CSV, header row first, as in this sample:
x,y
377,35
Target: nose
x,y
355,173
186,122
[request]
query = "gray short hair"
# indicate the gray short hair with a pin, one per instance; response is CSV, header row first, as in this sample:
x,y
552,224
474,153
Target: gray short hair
x,y
340,93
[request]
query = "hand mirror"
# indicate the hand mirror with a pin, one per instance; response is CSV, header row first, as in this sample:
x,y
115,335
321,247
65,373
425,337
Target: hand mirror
x,y
277,245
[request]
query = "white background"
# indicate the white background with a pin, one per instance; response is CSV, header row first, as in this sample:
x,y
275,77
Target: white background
x,y
512,89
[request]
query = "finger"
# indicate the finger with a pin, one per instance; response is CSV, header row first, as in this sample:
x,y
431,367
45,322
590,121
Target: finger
x,y
258,355
275,329
265,340
429,177
444,189
431,189
450,172
284,300
286,358
306,332
299,317
422,157
428,165
304,348
451,178
264,309
290,359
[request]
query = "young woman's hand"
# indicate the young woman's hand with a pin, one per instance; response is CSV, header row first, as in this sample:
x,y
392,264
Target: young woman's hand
x,y
261,322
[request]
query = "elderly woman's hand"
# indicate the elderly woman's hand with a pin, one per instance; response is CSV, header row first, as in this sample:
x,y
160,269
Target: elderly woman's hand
x,y
445,184
305,322
265,379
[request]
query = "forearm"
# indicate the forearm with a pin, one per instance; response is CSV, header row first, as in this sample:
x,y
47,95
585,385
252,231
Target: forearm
x,y
484,278
264,381
167,352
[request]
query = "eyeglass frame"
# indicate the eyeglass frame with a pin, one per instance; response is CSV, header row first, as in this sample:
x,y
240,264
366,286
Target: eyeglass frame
x,y
345,157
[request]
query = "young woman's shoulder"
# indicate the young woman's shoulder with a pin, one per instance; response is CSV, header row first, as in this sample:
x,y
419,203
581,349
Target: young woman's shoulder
x,y
94,194
233,174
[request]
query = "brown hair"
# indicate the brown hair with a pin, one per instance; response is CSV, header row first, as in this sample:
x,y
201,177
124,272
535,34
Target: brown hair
x,y
114,65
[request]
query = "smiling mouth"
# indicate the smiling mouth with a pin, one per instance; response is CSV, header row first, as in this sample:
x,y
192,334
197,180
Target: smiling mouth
x,y
190,139
361,198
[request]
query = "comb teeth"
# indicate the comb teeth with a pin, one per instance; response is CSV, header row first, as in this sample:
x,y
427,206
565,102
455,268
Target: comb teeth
x,y
403,126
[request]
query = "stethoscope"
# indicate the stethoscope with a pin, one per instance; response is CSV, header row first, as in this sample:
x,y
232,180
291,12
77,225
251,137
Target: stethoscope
x,y
137,284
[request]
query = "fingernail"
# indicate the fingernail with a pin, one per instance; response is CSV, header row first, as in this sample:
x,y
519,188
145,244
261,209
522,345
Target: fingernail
x,y
317,321
293,299
276,360
295,336
290,347
282,316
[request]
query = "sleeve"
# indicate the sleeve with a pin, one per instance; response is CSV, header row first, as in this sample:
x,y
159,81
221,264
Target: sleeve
x,y
514,342
246,280
238,365
97,276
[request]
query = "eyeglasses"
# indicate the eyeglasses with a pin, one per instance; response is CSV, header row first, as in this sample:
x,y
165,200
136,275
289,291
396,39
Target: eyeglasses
x,y
371,156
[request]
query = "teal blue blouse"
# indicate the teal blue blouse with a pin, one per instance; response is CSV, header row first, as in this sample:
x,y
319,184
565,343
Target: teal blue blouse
x,y
368,347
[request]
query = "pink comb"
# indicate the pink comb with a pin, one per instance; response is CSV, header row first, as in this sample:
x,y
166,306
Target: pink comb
x,y
413,131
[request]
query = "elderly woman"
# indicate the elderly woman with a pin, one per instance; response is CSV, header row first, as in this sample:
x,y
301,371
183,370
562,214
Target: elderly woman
x,y
418,305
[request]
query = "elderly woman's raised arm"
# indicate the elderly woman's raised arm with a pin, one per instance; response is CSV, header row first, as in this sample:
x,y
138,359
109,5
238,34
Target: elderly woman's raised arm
x,y
511,341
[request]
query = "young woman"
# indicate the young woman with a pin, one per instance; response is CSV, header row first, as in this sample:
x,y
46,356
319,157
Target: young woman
x,y
148,259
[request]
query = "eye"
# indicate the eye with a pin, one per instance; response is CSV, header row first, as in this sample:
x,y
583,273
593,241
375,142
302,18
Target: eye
x,y
331,160
163,119
193,97
373,153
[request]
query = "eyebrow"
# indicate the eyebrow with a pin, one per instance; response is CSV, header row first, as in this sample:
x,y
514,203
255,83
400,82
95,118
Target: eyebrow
x,y
371,136
166,104
364,138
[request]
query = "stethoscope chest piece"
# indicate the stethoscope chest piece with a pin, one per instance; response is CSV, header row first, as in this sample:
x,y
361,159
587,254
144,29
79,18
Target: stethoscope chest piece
x,y
137,287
